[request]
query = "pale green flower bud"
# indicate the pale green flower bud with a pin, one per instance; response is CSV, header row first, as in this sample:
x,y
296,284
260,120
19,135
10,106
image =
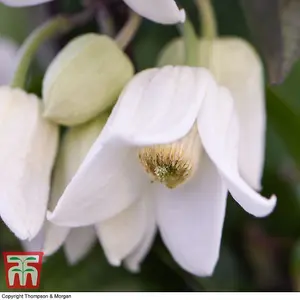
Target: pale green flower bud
x,y
84,79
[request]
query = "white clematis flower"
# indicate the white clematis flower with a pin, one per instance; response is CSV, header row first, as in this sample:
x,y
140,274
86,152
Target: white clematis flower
x,y
27,152
77,242
245,80
171,143
160,11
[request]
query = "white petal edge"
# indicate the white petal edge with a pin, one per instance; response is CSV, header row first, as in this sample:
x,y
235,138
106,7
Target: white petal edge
x,y
79,242
245,80
36,244
218,128
160,105
191,217
133,261
161,11
20,3
54,237
26,170
122,233
105,185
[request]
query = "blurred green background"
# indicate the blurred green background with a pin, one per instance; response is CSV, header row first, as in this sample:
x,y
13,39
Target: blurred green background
x,y
256,254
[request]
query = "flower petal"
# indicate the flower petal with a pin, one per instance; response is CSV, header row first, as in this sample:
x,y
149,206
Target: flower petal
x,y
190,219
79,242
8,54
23,2
26,162
161,11
55,237
36,244
160,105
134,259
245,80
106,183
218,128
122,233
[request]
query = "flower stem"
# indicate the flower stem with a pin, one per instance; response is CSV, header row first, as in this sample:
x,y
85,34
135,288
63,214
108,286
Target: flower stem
x,y
208,19
129,30
53,27
208,33
190,42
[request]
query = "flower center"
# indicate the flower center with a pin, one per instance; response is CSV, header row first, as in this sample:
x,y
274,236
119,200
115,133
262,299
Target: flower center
x,y
173,164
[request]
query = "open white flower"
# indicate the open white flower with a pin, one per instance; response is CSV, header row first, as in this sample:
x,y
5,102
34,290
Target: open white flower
x,y
171,142
77,242
161,11
27,152
235,65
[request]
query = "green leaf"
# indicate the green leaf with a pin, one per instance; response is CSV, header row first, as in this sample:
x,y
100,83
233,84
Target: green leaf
x,y
286,122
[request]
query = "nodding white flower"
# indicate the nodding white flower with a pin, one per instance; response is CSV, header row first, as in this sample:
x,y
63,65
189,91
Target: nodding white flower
x,y
160,11
171,143
8,53
27,152
236,65
77,242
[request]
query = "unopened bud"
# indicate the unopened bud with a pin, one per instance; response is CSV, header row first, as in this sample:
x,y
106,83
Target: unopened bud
x,y
173,164
85,79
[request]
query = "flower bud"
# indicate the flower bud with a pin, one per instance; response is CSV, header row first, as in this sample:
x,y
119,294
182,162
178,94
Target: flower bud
x,y
27,153
84,79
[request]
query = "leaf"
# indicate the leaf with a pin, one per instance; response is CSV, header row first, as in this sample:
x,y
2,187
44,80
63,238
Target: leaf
x,y
286,122
263,18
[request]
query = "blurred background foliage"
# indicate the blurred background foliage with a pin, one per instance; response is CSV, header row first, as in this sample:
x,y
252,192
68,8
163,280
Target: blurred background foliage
x,y
256,254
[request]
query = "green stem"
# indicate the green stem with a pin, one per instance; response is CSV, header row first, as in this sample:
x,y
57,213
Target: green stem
x,y
57,25
209,31
129,30
208,19
190,42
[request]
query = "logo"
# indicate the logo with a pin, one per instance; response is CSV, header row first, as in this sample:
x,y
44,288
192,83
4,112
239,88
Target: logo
x,y
23,269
